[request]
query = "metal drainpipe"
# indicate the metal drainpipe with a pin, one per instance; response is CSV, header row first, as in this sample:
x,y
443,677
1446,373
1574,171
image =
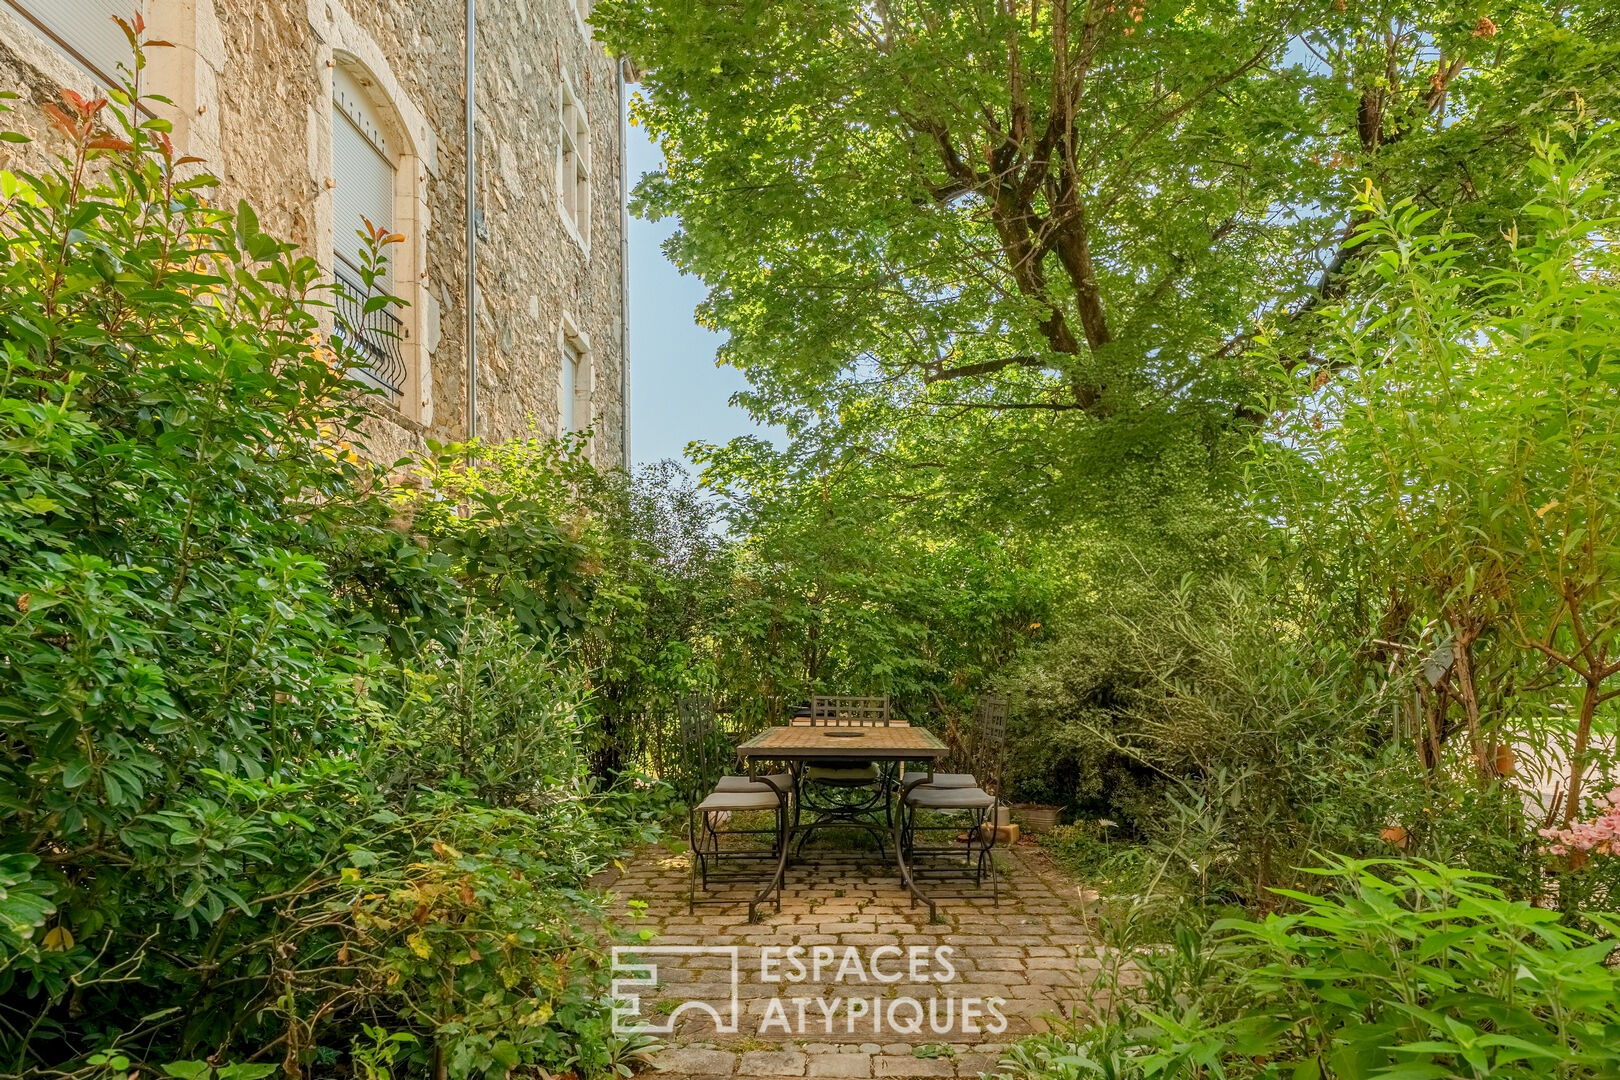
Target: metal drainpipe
x,y
470,290
624,269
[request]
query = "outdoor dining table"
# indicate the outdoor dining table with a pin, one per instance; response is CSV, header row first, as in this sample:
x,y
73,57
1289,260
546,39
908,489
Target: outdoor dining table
x,y
798,745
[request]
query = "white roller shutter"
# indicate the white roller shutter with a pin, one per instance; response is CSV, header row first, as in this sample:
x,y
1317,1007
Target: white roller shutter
x,y
568,394
84,29
362,166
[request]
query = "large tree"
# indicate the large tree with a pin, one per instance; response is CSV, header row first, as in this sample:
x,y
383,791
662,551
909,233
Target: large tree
x,y
986,211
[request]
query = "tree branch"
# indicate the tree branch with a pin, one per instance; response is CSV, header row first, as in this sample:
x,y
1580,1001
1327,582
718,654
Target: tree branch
x,y
939,373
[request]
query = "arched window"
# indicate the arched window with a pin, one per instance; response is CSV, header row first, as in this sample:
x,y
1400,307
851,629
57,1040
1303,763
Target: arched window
x,y
85,31
365,174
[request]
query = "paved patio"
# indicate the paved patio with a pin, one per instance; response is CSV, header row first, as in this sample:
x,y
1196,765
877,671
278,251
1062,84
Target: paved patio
x,y
847,931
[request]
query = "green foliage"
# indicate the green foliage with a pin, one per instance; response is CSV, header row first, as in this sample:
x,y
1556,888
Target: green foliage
x,y
662,609
841,587
1202,719
301,758
511,521
1016,251
1454,488
276,761
1402,969
796,580
1437,617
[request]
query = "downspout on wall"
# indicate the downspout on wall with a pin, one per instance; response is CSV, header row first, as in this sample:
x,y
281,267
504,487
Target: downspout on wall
x,y
626,73
470,288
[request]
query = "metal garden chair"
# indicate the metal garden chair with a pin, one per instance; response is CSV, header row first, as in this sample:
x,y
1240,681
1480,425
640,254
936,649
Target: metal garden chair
x,y
707,828
715,802
948,793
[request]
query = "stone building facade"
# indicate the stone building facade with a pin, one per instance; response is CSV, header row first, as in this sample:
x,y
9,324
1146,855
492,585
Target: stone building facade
x,y
316,110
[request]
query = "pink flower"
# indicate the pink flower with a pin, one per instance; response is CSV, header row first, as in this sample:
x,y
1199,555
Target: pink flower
x,y
1600,835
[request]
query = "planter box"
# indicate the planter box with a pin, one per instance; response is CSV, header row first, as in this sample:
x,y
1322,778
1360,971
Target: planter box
x,y
1037,817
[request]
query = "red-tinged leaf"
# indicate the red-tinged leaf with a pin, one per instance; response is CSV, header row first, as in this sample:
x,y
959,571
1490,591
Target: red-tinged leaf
x,y
140,22
79,105
61,120
109,142
189,160
157,44
393,238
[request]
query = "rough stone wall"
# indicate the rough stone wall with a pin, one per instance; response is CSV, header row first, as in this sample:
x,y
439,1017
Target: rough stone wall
x,y
267,96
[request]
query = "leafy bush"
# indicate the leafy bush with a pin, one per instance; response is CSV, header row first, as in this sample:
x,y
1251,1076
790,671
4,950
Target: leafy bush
x,y
1403,969
1451,488
282,773
1209,726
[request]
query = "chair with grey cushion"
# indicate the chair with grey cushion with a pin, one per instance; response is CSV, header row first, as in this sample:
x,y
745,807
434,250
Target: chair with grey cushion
x,y
841,792
708,827
985,755
944,795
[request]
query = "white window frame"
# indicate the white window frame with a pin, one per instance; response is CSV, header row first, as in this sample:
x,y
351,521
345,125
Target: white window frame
x,y
574,166
578,414
403,134
360,121
582,14
367,119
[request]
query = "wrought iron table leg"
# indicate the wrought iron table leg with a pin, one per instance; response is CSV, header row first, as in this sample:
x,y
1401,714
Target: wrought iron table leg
x,y
905,871
777,879
697,857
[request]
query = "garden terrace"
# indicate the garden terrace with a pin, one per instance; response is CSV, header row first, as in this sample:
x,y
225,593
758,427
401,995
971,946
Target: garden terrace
x,y
1032,952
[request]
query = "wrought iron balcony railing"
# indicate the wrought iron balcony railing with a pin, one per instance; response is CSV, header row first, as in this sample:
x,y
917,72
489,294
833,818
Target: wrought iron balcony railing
x,y
375,335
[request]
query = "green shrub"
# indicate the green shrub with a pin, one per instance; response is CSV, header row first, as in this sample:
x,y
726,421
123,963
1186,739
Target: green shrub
x,y
275,765
1402,970
1210,727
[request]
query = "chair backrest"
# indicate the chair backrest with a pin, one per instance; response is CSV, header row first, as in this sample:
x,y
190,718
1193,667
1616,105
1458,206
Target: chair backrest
x,y
832,711
699,752
990,738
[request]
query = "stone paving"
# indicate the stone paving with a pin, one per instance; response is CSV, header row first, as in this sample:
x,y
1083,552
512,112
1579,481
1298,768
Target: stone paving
x,y
934,999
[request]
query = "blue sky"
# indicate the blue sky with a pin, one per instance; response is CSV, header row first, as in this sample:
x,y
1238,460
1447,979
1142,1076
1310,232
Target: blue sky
x,y
677,394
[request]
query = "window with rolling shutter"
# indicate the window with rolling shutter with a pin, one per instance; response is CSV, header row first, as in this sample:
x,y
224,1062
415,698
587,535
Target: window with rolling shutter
x,y
364,175
570,383
85,30
362,166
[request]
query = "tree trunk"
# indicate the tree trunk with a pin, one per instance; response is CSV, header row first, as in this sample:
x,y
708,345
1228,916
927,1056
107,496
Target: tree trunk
x,y
1577,757
1468,696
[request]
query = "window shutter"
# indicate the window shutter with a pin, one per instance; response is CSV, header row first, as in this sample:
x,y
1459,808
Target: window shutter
x,y
85,30
362,166
570,385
